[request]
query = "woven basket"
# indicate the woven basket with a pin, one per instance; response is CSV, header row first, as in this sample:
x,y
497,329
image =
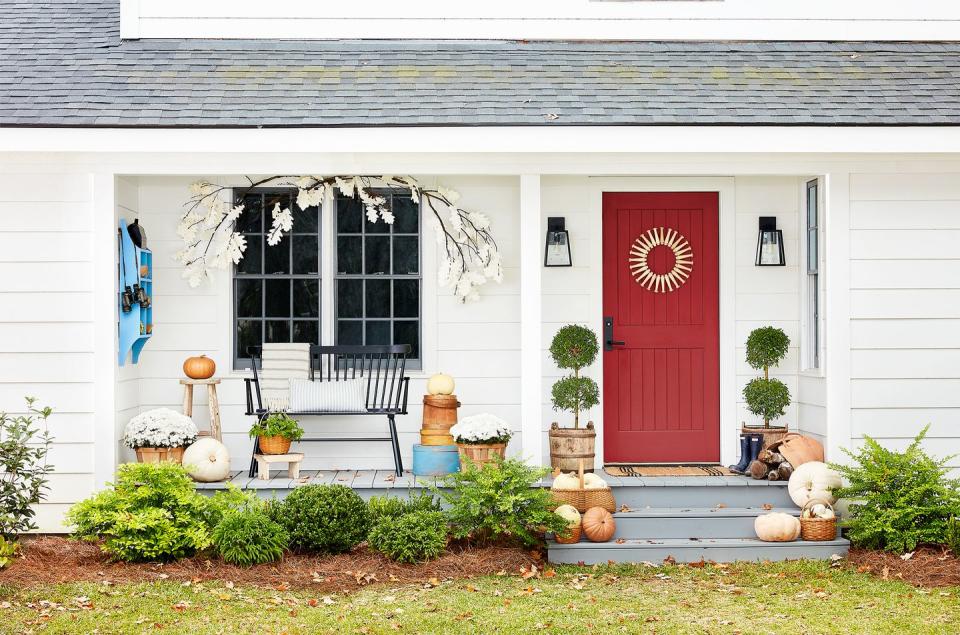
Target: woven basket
x,y
583,499
770,435
572,537
274,445
817,529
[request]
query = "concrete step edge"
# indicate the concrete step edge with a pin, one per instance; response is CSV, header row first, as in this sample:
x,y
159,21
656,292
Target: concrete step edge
x,y
681,543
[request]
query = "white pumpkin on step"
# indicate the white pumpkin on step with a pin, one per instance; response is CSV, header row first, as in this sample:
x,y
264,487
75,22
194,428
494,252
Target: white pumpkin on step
x,y
813,480
777,527
207,460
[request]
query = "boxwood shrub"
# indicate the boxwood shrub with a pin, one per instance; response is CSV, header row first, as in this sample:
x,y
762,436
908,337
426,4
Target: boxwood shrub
x,y
411,537
249,536
323,518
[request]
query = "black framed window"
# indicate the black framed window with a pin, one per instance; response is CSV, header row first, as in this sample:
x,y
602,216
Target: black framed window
x,y
276,287
378,274
813,272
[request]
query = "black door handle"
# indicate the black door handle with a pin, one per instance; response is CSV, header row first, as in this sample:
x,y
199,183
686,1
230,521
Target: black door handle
x,y
608,341
612,343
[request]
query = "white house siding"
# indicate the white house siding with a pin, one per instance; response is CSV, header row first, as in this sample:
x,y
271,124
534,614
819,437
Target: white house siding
x,y
905,308
477,343
47,317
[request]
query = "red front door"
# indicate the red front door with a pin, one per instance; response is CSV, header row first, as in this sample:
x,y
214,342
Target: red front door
x,y
661,376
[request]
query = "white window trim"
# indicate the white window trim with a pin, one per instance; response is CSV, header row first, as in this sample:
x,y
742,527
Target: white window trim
x,y
806,353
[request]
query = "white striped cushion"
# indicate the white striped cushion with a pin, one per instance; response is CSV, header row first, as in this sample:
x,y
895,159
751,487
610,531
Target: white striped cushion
x,y
280,362
348,395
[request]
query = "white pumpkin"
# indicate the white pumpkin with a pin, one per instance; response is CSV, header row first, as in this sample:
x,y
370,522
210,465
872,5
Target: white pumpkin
x,y
440,384
570,514
813,480
777,527
592,481
566,481
207,460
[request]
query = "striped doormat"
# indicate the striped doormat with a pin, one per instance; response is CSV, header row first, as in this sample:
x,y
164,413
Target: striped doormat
x,y
667,470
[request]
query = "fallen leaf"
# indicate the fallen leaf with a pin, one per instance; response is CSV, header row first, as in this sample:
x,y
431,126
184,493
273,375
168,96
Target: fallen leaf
x,y
532,572
620,541
551,116
766,506
669,560
907,555
885,573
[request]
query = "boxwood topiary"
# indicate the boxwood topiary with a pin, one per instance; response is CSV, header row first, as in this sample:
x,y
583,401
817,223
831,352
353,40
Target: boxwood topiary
x,y
412,537
381,507
323,518
249,536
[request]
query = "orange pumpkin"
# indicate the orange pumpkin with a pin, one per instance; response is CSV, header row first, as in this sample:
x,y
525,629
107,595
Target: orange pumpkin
x,y
598,524
201,367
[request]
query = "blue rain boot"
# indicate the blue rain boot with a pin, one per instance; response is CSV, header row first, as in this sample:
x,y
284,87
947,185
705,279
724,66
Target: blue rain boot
x,y
756,444
741,467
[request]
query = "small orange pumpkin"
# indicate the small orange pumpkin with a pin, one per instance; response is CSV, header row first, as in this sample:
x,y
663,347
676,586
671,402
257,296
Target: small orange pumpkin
x,y
201,367
598,524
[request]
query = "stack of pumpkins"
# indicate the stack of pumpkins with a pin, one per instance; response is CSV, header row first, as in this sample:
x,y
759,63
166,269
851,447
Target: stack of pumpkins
x,y
436,454
811,487
597,524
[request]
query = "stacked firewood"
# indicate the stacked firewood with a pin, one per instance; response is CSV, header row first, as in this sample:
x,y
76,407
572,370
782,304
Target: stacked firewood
x,y
772,466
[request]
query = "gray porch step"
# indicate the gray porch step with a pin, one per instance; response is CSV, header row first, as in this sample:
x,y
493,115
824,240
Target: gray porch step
x,y
674,522
684,550
703,493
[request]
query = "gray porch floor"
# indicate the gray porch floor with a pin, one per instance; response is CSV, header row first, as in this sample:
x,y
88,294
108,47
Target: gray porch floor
x,y
386,480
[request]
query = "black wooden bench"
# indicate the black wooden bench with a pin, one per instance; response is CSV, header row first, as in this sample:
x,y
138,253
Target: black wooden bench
x,y
384,368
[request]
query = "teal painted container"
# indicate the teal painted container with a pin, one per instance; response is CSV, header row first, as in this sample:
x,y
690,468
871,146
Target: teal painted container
x,y
435,460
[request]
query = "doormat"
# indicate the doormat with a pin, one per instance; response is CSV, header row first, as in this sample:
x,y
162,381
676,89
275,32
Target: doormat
x,y
667,470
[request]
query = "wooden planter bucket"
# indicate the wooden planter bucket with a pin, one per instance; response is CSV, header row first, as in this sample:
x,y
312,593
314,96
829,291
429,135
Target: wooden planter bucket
x,y
160,455
570,448
439,415
480,454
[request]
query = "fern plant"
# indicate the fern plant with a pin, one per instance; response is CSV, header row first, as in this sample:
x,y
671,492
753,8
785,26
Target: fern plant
x,y
900,499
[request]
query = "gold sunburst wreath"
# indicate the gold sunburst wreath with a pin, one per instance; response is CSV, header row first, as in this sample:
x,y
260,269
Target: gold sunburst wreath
x,y
682,265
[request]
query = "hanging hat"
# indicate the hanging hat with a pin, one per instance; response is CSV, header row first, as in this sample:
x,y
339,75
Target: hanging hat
x,y
137,233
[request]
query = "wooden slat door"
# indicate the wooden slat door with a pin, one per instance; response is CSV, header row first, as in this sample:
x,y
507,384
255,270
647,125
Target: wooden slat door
x,y
661,393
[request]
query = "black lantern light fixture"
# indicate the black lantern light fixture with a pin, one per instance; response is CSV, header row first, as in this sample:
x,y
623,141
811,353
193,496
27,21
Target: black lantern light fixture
x,y
557,251
770,244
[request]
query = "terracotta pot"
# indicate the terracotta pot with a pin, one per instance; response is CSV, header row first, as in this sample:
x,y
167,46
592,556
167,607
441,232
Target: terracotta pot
x,y
480,454
274,445
569,445
160,455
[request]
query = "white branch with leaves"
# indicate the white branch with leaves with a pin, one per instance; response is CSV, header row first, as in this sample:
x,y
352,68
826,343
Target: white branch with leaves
x,y
468,254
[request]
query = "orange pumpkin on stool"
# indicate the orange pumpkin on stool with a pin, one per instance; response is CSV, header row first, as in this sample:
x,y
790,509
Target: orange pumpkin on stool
x,y
201,367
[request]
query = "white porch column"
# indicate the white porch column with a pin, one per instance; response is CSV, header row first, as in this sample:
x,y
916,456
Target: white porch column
x,y
531,379
837,307
104,238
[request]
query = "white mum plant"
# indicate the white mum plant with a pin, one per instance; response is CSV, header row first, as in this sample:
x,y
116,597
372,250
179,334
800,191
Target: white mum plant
x,y
469,256
481,428
160,428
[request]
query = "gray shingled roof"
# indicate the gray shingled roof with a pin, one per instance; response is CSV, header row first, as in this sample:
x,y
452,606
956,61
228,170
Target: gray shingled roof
x,y
64,64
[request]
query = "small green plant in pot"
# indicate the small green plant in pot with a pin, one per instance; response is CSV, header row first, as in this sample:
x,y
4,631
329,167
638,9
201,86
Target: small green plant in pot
x,y
574,347
767,397
276,432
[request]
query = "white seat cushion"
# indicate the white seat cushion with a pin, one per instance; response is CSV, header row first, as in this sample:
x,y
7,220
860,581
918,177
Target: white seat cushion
x,y
348,395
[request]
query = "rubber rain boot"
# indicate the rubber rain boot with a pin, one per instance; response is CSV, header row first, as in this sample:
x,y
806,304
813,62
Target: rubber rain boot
x,y
741,467
756,444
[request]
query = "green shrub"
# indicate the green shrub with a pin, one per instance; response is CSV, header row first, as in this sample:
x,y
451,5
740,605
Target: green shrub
x,y
903,499
766,398
412,537
23,468
8,551
248,536
766,347
152,512
323,518
231,499
952,539
381,507
574,347
279,424
499,500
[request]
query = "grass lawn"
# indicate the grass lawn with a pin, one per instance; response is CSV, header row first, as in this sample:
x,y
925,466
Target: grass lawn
x,y
797,597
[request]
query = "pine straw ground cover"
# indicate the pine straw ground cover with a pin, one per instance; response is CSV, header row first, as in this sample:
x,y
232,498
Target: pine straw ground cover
x,y
792,597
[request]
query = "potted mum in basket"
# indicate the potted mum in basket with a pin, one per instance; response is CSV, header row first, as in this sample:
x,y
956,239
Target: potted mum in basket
x,y
481,437
276,432
159,435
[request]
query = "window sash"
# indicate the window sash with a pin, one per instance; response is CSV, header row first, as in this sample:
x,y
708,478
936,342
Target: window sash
x,y
813,272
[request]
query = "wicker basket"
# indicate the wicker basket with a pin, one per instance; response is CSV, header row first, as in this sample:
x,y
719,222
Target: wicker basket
x,y
572,537
583,499
274,445
770,435
817,529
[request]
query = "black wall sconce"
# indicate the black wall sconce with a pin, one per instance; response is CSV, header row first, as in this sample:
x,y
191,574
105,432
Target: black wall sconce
x,y
557,251
770,244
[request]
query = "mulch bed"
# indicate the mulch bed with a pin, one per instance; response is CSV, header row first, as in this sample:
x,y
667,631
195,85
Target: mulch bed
x,y
55,560
927,567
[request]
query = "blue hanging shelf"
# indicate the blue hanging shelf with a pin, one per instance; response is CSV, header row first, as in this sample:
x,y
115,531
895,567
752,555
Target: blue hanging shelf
x,y
135,270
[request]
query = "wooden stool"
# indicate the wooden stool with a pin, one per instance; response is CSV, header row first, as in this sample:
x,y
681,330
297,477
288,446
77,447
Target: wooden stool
x,y
212,402
292,460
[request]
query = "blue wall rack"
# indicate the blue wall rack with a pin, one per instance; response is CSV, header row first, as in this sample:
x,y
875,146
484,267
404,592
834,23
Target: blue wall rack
x,y
134,270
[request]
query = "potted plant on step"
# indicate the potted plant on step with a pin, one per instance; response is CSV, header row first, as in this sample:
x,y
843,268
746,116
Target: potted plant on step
x,y
276,432
480,438
159,435
574,347
767,397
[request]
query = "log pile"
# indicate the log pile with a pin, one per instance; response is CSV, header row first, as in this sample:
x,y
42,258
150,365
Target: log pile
x,y
772,466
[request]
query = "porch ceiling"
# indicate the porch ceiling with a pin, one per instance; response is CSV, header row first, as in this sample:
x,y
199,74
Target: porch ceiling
x,y
63,64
